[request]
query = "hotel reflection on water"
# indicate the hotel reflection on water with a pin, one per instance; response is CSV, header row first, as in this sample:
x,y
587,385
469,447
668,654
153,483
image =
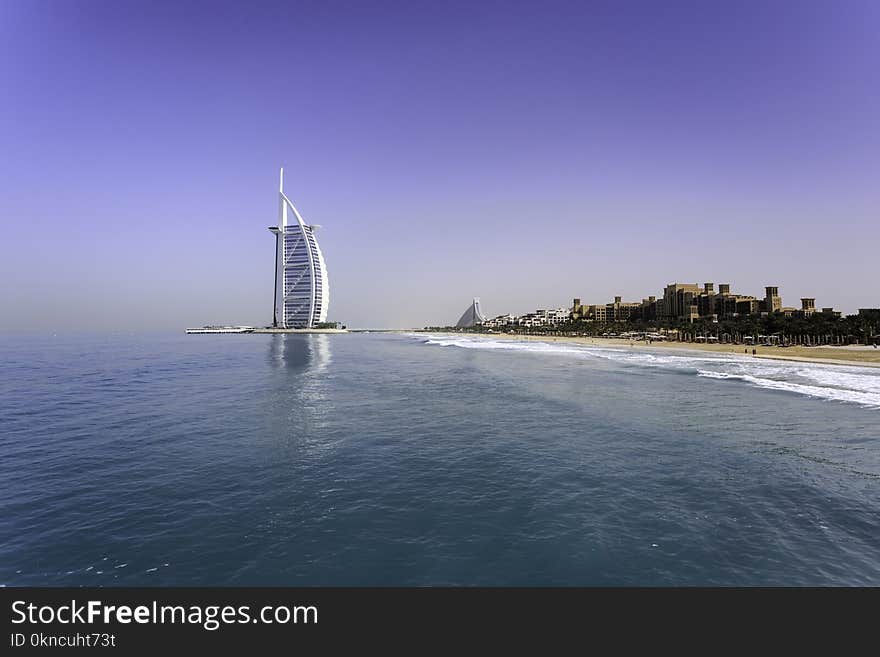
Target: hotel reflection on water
x,y
309,353
299,407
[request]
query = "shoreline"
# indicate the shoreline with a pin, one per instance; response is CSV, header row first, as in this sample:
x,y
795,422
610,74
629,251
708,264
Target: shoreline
x,y
868,357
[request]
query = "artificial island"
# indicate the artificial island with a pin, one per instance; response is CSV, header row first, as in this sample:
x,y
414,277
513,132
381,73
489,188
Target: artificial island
x,y
302,288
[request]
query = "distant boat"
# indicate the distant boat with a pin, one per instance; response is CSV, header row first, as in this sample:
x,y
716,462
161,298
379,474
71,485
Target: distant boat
x,y
221,329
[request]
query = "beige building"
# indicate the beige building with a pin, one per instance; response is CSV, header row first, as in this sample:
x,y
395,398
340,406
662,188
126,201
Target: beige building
x,y
772,300
691,301
680,300
620,310
616,311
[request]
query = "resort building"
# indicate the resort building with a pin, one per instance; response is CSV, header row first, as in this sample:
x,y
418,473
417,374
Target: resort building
x,y
543,317
302,291
620,311
616,311
472,316
540,317
590,313
500,322
689,301
680,300
650,309
808,307
772,300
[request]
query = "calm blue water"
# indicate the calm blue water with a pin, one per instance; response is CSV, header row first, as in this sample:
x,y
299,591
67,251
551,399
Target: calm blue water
x,y
391,459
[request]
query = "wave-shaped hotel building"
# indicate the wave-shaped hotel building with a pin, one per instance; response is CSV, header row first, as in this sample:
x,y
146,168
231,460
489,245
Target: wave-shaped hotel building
x,y
302,292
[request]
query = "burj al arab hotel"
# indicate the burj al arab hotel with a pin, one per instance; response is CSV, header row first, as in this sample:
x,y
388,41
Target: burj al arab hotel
x,y
302,293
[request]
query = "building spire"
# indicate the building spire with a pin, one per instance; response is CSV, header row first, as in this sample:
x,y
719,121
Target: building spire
x,y
281,181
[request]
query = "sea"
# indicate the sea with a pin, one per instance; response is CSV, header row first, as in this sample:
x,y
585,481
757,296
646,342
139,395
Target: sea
x,y
380,459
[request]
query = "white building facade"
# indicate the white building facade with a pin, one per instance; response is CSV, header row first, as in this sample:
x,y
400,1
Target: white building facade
x,y
302,291
541,317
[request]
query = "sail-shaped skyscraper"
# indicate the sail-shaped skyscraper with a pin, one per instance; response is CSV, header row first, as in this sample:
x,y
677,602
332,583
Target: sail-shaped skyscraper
x,y
302,293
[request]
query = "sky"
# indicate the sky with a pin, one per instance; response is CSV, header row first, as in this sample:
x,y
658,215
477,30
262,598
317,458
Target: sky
x,y
523,153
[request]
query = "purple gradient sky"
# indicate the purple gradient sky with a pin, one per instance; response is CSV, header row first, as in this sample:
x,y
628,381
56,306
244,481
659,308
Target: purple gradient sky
x,y
522,153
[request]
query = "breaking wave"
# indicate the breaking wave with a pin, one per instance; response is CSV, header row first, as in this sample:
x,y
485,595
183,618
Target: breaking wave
x,y
842,383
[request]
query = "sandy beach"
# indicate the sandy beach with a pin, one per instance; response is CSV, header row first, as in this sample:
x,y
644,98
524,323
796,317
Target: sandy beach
x,y
860,355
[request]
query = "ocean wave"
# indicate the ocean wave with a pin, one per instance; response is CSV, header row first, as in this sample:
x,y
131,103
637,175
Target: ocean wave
x,y
843,383
866,398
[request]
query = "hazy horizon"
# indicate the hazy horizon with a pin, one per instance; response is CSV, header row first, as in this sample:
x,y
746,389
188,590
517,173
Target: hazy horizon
x,y
524,155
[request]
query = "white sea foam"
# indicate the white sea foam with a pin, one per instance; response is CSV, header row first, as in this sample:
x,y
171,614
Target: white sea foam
x,y
832,393
844,383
